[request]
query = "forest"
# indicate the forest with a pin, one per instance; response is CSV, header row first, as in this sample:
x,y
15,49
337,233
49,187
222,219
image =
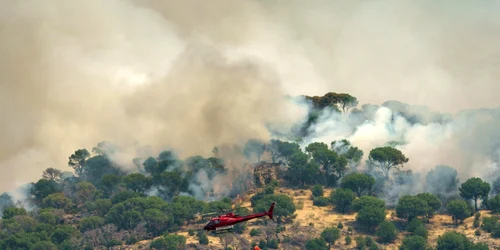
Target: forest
x,y
94,203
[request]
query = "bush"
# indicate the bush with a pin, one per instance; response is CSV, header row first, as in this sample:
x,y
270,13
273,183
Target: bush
x,y
477,223
416,227
254,232
321,201
477,232
489,223
386,232
269,189
494,204
360,242
413,242
317,190
348,240
330,235
340,226
273,244
316,244
496,232
369,241
274,183
342,199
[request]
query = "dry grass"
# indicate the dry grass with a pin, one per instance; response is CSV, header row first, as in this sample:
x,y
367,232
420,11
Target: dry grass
x,y
314,219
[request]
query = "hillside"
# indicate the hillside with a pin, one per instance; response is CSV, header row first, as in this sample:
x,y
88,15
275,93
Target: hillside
x,y
311,220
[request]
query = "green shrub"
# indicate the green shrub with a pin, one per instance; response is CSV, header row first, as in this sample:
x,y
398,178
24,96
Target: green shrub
x,y
348,240
321,201
360,242
317,190
254,232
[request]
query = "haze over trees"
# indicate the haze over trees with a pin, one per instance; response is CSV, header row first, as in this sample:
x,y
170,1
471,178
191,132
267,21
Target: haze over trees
x,y
103,204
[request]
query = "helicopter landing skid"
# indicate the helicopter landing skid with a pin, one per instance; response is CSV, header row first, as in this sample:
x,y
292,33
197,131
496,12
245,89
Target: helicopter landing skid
x,y
224,229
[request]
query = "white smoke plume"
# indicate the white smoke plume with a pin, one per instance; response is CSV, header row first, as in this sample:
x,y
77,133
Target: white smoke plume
x,y
193,74
467,141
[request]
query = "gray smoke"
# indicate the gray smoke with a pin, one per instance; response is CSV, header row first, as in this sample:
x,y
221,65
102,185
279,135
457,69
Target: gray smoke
x,y
193,74
467,141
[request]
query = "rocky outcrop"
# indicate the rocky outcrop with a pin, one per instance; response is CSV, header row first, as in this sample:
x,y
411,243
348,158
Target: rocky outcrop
x,y
265,172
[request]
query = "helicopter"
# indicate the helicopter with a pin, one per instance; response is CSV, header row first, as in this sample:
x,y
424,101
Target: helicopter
x,y
226,222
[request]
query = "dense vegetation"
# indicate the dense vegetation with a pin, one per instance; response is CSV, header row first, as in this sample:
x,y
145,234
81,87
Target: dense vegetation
x,y
100,204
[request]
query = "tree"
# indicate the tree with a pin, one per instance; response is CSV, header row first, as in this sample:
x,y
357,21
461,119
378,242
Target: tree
x,y
475,188
317,190
301,170
495,186
287,149
330,235
5,201
138,182
169,242
458,209
109,183
386,232
254,147
57,200
90,223
386,158
329,160
44,245
104,148
52,174
410,207
85,191
203,239
413,242
348,151
367,201
316,244
416,227
98,166
358,182
342,198
156,221
11,211
454,241
370,217
78,159
494,204
433,203
42,188
284,205
442,180
346,102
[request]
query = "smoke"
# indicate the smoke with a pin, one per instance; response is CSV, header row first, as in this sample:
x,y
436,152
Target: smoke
x,y
74,74
467,141
193,74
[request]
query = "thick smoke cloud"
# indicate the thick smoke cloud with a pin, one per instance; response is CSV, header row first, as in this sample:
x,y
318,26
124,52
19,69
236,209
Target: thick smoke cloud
x,y
467,141
192,74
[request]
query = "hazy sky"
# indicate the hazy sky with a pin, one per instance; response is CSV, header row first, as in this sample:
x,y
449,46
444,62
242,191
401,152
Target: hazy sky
x,y
191,74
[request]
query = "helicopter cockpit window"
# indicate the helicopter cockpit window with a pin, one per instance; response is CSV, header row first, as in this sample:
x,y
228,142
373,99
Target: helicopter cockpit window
x,y
216,222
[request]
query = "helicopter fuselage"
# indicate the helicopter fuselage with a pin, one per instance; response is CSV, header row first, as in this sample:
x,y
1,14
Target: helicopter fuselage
x,y
227,221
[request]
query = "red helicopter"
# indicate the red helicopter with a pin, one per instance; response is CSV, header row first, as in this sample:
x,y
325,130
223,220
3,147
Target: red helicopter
x,y
227,221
